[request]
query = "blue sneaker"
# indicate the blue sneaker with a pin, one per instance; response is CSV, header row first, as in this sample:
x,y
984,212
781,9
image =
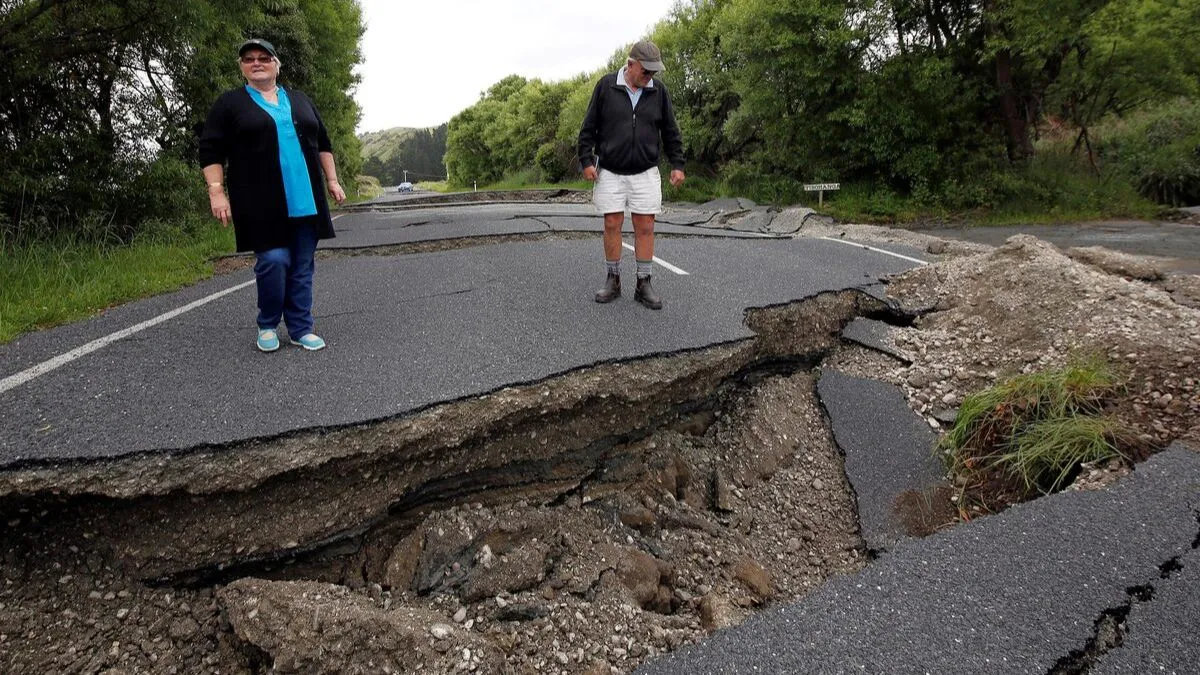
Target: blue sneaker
x,y
268,340
310,342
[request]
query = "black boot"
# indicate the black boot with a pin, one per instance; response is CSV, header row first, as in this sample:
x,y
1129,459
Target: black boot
x,y
611,290
645,294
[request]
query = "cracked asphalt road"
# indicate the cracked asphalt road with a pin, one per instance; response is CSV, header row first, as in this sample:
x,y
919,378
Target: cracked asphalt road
x,y
1015,593
404,332
374,228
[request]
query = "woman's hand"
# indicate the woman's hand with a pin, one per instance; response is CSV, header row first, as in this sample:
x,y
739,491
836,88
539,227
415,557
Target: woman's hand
x,y
336,191
219,204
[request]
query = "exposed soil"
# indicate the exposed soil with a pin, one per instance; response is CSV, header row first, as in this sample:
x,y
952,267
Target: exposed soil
x,y
987,314
581,525
740,505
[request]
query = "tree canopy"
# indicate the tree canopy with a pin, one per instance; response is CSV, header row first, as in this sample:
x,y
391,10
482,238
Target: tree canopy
x,y
102,100
912,94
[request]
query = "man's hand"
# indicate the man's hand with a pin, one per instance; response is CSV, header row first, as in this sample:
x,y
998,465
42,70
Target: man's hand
x,y
219,204
590,172
677,177
335,190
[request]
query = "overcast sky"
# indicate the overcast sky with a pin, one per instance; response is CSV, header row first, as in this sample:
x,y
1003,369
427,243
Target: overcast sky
x,y
425,61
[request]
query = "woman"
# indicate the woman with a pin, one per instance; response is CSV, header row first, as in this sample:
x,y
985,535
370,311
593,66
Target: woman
x,y
276,149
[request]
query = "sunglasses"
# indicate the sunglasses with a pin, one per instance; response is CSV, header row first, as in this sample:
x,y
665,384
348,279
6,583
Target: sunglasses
x,y
262,58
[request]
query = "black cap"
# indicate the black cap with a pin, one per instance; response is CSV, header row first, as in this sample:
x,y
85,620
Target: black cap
x,y
257,43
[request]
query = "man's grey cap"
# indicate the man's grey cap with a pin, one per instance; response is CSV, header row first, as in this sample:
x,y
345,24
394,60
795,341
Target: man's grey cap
x,y
646,53
257,43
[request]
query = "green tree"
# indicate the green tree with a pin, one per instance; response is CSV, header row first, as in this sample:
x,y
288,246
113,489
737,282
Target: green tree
x,y
796,64
701,77
106,97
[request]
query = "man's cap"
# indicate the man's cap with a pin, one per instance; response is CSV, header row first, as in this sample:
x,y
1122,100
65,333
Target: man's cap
x,y
646,53
257,43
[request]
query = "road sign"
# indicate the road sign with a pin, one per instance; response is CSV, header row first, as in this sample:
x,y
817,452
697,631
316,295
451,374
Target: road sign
x,y
820,189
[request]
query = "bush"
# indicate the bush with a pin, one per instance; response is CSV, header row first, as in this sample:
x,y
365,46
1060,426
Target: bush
x,y
1158,149
550,163
367,187
112,204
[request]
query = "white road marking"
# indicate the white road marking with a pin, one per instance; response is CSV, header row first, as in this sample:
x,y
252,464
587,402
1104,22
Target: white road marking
x,y
877,250
660,261
24,376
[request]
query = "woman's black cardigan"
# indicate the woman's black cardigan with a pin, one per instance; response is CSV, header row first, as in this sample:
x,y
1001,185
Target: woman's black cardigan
x,y
241,135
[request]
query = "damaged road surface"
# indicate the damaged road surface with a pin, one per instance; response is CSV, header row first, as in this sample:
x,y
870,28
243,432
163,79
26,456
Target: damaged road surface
x,y
485,471
1054,586
488,472
405,332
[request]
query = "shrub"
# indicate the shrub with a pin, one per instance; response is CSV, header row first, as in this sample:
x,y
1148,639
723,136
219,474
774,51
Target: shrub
x,y
550,163
1158,149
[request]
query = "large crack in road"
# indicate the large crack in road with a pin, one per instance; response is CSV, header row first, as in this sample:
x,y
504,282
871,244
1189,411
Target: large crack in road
x,y
583,523
642,485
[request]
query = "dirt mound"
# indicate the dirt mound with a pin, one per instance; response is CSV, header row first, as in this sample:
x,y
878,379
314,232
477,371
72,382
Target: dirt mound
x,y
1025,306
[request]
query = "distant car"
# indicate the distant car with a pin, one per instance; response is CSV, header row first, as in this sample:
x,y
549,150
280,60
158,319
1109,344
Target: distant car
x,y
404,187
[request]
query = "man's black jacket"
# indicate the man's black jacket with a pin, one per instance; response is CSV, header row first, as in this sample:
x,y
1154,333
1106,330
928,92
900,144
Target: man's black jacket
x,y
625,140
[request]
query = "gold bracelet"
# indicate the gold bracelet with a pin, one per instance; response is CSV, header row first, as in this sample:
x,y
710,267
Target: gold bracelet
x,y
213,185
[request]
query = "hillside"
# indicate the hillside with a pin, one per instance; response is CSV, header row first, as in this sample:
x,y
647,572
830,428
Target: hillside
x,y
390,153
383,144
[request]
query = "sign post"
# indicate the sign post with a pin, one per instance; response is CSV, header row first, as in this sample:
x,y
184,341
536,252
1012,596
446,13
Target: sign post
x,y
820,189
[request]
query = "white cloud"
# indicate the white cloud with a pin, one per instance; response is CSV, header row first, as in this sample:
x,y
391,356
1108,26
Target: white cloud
x,y
423,62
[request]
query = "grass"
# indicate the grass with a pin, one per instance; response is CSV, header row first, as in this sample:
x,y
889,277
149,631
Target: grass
x,y
366,189
51,283
1055,186
1047,452
1037,428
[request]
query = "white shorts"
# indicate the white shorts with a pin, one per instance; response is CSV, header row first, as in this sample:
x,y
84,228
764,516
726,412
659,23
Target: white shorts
x,y
640,193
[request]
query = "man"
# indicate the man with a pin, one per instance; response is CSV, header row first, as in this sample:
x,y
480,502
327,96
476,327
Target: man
x,y
618,149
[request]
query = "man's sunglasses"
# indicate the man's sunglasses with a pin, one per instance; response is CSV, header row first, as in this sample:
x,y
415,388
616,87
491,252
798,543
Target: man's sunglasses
x,y
262,58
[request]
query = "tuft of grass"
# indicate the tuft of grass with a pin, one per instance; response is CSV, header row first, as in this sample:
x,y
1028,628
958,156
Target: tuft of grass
x,y
49,283
1038,427
1048,451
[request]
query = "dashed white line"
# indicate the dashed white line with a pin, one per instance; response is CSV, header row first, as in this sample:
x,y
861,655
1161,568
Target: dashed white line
x,y
660,261
877,250
24,376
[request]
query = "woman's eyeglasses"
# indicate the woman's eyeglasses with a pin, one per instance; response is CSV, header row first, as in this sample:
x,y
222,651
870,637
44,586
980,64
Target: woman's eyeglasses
x,y
263,58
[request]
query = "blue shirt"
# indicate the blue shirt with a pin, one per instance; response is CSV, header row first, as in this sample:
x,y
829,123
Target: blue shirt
x,y
633,95
297,186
